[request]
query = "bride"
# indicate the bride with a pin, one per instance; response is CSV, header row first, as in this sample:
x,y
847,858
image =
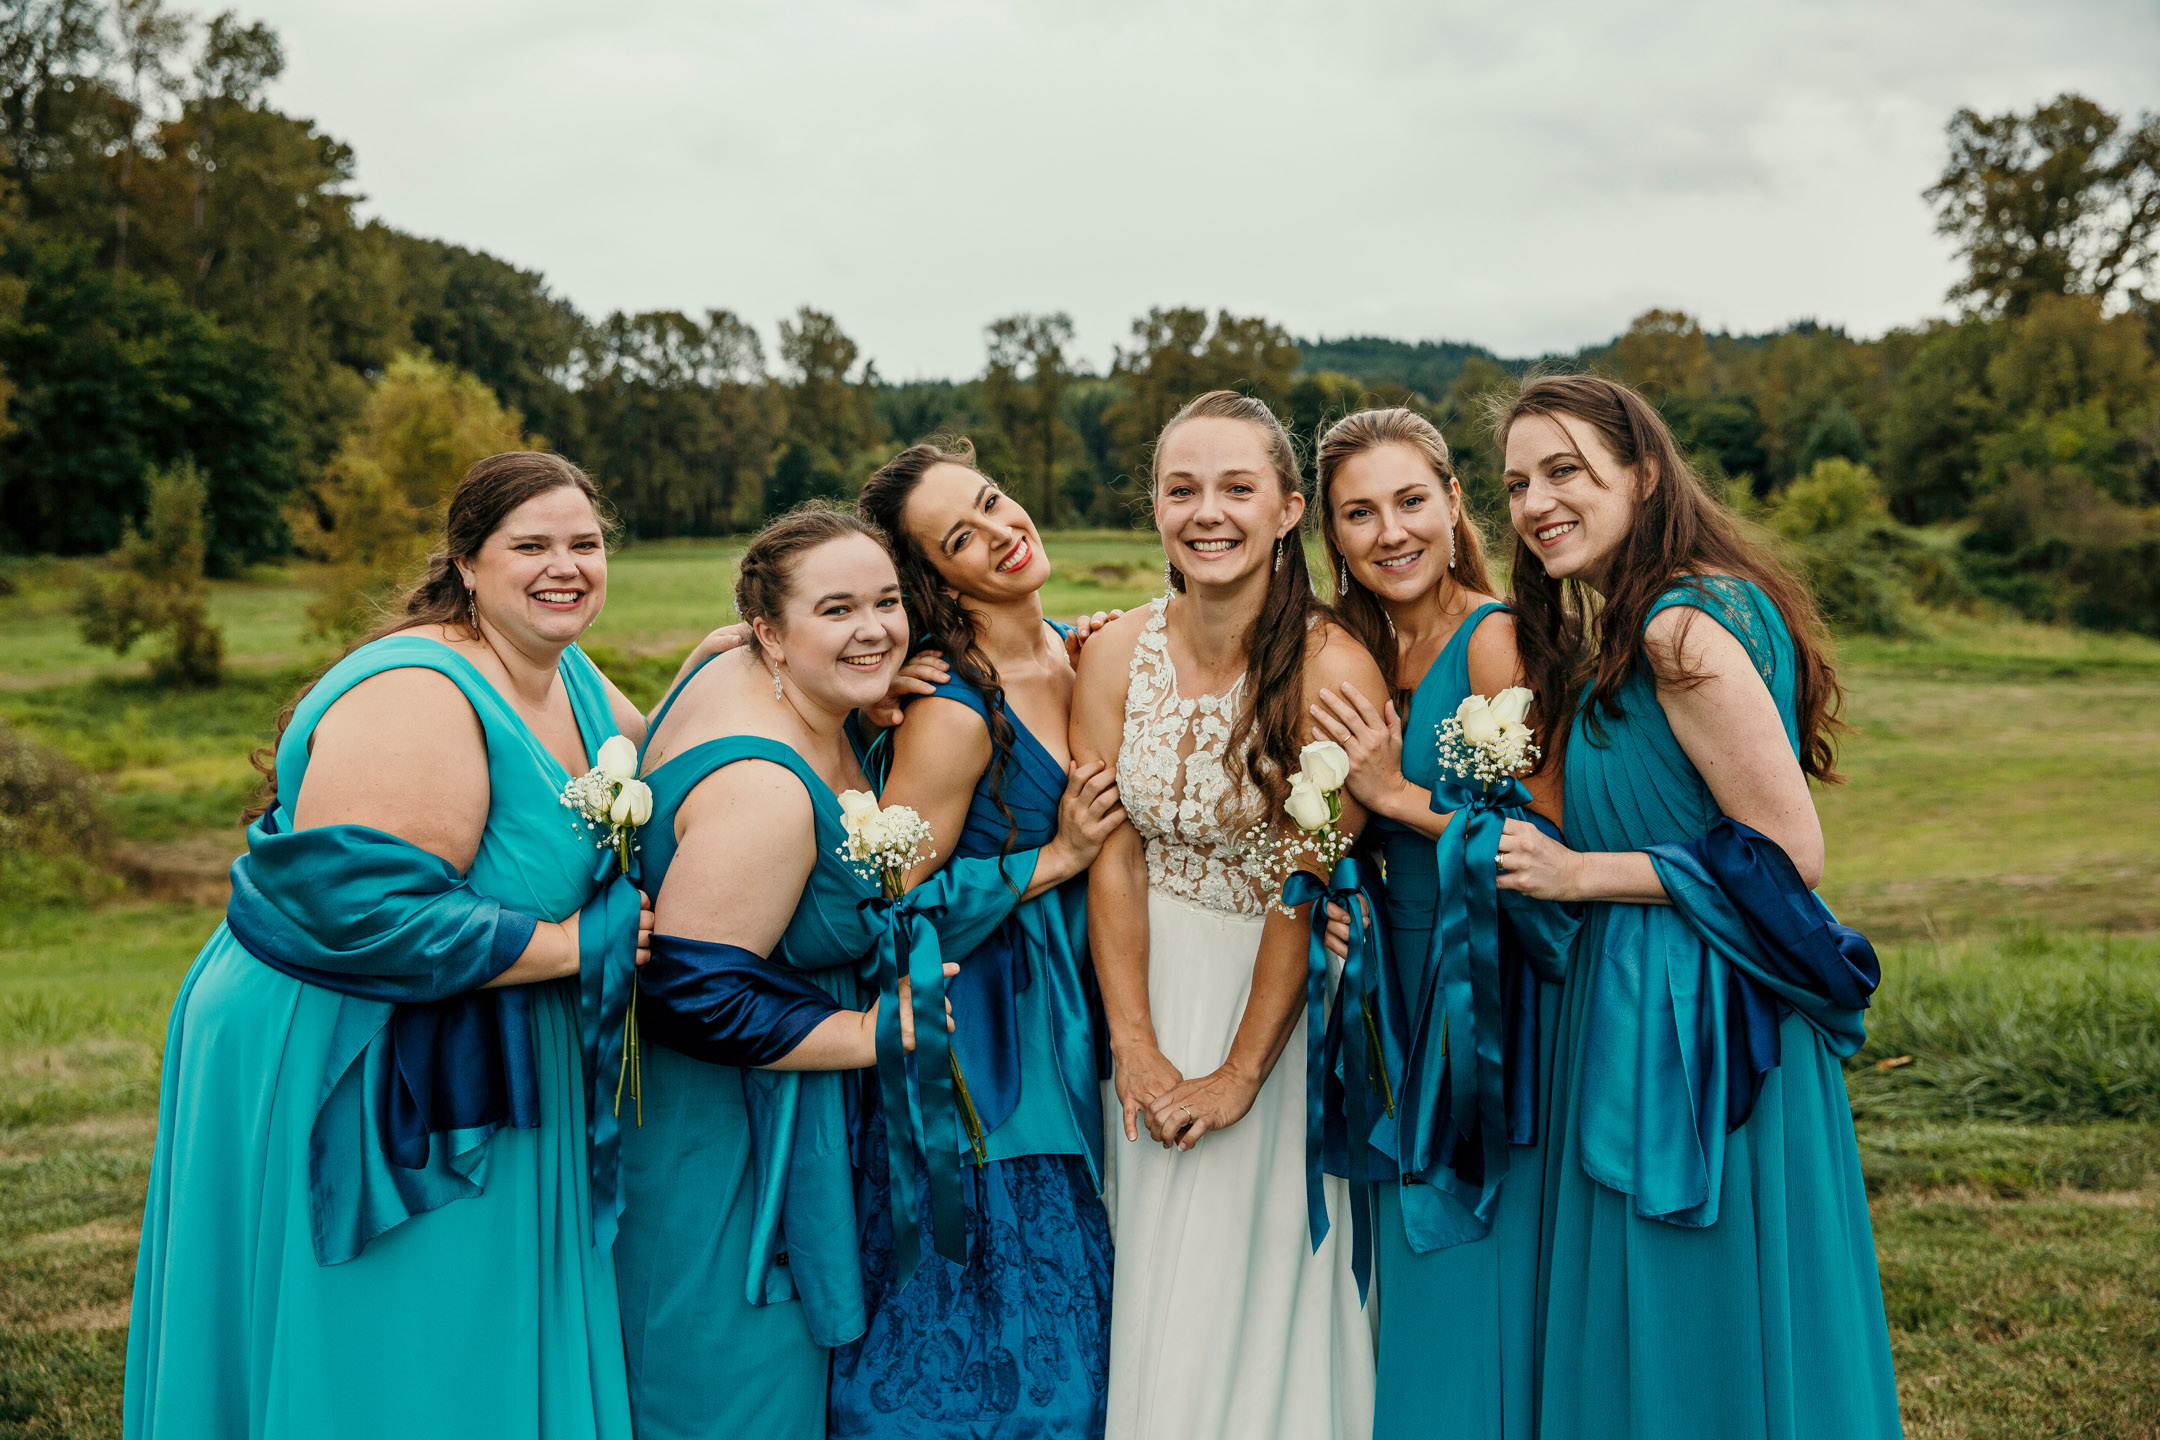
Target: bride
x,y
1224,1319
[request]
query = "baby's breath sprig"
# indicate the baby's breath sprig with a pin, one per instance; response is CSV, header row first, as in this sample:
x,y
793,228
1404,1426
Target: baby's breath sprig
x,y
1487,740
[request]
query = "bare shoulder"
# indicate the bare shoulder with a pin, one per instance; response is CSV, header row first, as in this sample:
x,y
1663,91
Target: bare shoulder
x,y
936,721
402,752
760,802
410,701
1494,661
1107,656
1333,657
702,707
1686,639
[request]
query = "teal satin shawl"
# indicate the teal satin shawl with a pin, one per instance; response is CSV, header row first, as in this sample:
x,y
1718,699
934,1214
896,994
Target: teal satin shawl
x,y
391,928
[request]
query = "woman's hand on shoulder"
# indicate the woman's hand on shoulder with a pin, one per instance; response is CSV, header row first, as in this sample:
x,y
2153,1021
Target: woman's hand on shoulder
x,y
401,752
1100,681
1371,738
1083,628
924,671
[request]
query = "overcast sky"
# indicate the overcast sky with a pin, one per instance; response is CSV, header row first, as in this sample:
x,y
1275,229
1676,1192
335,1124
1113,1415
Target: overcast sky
x,y
1525,177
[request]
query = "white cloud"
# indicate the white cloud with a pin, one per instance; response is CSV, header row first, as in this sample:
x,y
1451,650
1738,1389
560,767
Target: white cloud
x,y
1528,179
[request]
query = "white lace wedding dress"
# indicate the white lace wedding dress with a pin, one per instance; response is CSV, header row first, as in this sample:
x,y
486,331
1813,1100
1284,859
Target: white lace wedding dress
x,y
1224,1321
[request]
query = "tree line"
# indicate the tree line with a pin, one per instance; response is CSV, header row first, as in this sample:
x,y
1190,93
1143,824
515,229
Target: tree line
x,y
187,291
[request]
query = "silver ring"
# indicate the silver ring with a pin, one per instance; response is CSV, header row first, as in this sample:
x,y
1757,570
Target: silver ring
x,y
1186,1108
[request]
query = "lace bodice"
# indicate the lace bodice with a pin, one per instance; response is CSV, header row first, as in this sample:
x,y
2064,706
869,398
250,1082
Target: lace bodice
x,y
1191,804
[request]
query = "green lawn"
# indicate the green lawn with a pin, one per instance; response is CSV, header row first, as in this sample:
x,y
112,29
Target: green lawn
x,y
2001,836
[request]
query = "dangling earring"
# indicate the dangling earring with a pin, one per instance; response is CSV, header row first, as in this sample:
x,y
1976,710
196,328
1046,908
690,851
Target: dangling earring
x,y
1451,550
777,692
1278,553
472,610
1342,579
1169,576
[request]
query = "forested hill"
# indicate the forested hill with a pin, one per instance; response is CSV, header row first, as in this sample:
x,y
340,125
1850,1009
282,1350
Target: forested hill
x,y
184,280
1426,366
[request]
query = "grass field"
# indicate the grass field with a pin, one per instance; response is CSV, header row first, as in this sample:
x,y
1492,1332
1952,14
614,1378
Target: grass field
x,y
2001,836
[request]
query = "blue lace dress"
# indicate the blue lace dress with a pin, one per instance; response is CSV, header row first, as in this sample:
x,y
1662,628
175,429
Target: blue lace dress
x,y
1015,1342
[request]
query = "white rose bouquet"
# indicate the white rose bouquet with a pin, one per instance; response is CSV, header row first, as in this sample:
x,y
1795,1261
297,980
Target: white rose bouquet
x,y
1315,807
1489,740
884,844
610,797
613,801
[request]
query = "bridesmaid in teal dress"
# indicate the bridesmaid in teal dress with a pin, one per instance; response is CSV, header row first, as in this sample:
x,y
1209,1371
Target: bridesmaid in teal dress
x,y
372,1205
1014,1342
740,1249
1455,1261
1709,1264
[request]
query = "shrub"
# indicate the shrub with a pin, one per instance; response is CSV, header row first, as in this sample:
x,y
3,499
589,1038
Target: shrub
x,y
55,832
1865,568
156,585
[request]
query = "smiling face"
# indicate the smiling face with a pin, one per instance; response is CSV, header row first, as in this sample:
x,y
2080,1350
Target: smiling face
x,y
541,578
843,633
1572,519
1219,505
1394,521
983,544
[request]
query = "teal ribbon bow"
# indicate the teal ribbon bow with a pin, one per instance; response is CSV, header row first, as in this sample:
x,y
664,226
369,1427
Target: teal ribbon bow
x,y
923,1104
1457,1037
1345,1040
607,975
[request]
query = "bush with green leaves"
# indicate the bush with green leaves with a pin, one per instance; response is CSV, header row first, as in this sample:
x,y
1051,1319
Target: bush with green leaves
x,y
55,832
155,585
1865,568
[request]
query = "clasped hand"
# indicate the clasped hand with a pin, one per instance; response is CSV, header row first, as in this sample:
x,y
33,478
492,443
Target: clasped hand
x,y
1177,1111
1534,864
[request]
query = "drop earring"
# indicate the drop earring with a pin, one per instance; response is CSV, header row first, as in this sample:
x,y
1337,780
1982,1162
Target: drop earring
x,y
472,609
1169,576
777,692
1342,579
1278,553
1451,550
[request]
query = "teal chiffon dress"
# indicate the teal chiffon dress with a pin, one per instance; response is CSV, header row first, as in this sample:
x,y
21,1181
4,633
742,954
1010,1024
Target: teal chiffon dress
x,y
1689,1293
739,1249
1457,1325
491,1314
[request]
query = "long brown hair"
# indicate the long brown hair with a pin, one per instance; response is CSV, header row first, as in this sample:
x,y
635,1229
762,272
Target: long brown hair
x,y
1269,721
936,618
1569,637
483,499
1358,608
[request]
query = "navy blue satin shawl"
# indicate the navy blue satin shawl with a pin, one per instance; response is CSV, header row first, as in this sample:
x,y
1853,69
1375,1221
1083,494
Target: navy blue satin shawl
x,y
367,915
1797,941
1685,1010
987,989
726,1005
